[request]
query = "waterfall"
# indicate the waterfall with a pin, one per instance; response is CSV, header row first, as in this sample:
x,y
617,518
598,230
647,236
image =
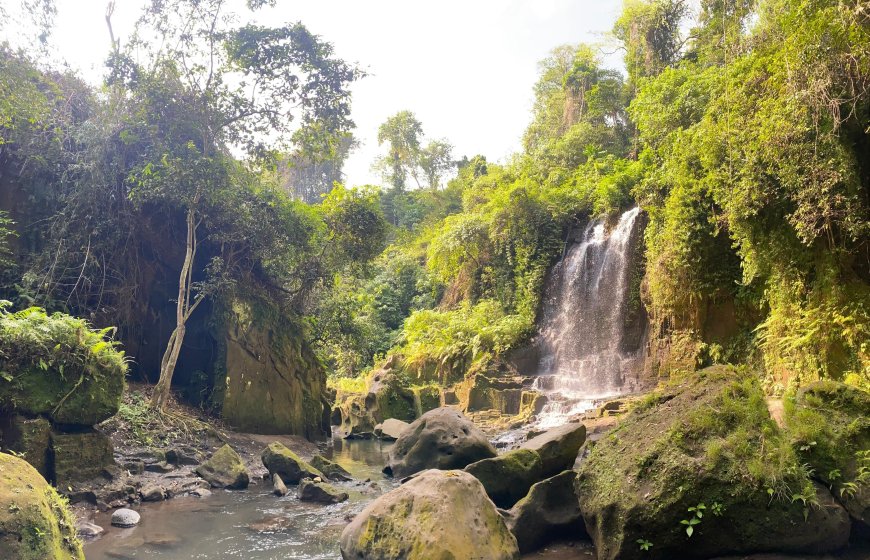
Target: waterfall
x,y
585,354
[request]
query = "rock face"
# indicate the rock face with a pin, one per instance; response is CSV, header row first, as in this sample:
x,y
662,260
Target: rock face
x,y
333,471
508,477
321,492
278,486
80,456
829,427
549,511
390,429
440,439
30,438
387,396
34,522
274,383
558,447
709,443
435,515
225,469
278,459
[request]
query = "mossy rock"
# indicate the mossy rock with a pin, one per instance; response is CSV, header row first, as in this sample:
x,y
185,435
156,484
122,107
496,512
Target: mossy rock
x,y
332,470
387,396
710,443
508,477
56,365
828,424
35,523
277,458
435,515
30,439
80,456
225,469
426,398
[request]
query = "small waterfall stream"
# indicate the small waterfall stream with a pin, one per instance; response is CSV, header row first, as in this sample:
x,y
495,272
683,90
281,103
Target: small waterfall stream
x,y
584,354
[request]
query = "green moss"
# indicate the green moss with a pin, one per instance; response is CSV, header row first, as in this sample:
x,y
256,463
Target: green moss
x,y
35,523
225,469
57,365
508,477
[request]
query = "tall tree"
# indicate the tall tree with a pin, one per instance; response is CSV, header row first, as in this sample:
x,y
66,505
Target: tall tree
x,y
206,87
402,132
435,160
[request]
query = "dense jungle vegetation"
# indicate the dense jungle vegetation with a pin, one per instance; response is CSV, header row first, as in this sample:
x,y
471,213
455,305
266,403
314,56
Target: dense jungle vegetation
x,y
741,128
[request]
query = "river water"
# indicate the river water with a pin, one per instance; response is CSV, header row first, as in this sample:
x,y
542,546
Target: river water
x,y
251,524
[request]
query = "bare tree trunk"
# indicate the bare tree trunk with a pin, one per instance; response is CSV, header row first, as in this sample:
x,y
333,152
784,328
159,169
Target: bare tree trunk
x,y
183,310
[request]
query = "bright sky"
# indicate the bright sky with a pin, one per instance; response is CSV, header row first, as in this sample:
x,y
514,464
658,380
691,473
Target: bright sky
x,y
465,67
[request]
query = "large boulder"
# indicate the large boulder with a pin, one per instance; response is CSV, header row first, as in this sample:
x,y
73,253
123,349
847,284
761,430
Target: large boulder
x,y
274,382
387,396
701,471
225,469
277,458
508,477
321,492
829,427
57,366
333,471
440,439
30,439
390,429
80,456
558,447
34,522
549,511
435,515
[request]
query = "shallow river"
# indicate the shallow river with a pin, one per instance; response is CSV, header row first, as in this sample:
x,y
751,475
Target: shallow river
x,y
251,524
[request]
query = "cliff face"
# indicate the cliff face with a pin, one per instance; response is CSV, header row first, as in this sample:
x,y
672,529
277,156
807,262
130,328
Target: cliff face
x,y
274,384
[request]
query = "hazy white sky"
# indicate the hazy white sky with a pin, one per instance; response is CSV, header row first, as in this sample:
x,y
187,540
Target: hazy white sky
x,y
466,68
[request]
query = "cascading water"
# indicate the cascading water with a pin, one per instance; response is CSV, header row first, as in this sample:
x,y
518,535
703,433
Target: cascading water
x,y
584,354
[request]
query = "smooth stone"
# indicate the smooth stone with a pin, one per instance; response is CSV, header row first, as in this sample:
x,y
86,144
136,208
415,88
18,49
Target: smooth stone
x,y
88,530
125,518
278,486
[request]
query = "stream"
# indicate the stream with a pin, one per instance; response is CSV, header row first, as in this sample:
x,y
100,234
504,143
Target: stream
x,y
251,524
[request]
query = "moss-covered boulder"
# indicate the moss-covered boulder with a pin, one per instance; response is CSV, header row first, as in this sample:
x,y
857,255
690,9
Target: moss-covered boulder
x,y
35,523
828,424
558,447
701,471
225,469
30,439
440,439
333,471
508,477
274,382
548,512
320,492
436,514
277,458
80,456
57,366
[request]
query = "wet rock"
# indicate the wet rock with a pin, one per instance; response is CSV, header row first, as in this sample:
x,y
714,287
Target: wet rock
x,y
390,429
558,447
710,441
278,486
508,477
436,514
200,492
34,522
80,456
163,540
152,493
225,469
162,468
548,512
183,455
87,530
134,467
497,388
387,396
333,471
320,492
277,458
115,491
442,438
271,524
125,518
